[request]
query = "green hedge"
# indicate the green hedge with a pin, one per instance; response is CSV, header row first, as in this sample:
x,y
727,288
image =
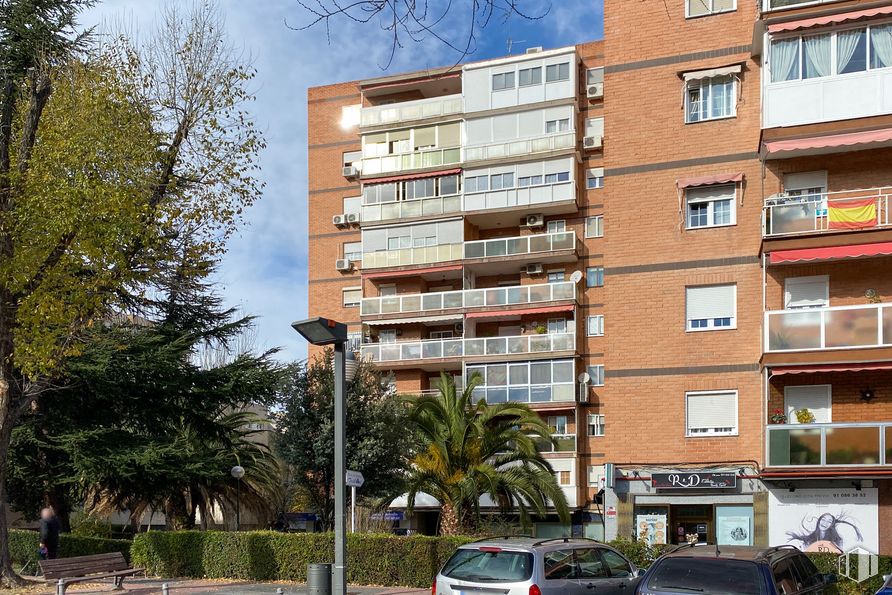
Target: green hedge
x,y
23,546
384,560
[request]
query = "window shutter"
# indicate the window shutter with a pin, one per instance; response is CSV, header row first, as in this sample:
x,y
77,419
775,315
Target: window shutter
x,y
806,292
805,180
596,172
815,398
714,301
706,193
707,411
594,127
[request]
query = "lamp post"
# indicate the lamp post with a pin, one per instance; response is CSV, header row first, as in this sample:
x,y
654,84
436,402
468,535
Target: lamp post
x,y
238,472
322,331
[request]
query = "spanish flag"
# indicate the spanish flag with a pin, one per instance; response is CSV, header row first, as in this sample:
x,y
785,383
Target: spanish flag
x,y
852,214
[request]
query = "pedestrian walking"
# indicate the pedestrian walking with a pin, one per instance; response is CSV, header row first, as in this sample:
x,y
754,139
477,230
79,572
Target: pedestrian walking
x,y
49,534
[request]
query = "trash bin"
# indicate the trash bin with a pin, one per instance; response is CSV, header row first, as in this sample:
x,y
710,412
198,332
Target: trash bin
x,y
319,579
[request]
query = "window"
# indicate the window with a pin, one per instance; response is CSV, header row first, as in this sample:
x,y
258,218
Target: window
x,y
595,424
594,277
441,334
616,564
387,335
499,567
711,99
711,206
352,296
529,181
399,243
562,176
806,292
423,188
477,184
557,72
711,307
556,226
594,178
556,276
711,413
526,382
830,54
594,226
353,205
699,8
816,398
530,76
351,157
596,375
557,325
563,477
448,185
558,424
501,181
350,116
354,341
594,325
502,81
353,251
594,76
387,290
553,126
590,564
559,564
596,475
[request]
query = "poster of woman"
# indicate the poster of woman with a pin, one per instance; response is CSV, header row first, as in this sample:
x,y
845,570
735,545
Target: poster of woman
x,y
824,520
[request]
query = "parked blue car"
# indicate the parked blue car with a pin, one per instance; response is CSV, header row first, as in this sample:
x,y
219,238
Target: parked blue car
x,y
886,589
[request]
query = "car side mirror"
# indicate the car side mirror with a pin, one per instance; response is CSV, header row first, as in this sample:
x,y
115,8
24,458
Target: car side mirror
x,y
830,579
640,572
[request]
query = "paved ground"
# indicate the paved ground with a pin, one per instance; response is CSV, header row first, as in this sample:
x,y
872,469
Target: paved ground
x,y
183,587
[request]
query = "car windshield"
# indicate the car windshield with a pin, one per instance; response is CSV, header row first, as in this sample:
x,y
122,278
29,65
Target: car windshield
x,y
705,575
489,565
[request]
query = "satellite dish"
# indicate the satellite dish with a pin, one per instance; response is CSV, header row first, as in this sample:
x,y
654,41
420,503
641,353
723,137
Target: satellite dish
x,y
576,277
584,377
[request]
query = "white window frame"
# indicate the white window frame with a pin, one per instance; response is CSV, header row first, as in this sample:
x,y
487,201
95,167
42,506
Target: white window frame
x,y
441,334
711,11
387,332
345,291
710,322
596,379
601,284
532,70
594,325
560,125
791,413
811,280
556,226
596,174
554,424
713,432
559,325
555,278
709,83
558,67
352,255
504,76
710,202
596,222
595,424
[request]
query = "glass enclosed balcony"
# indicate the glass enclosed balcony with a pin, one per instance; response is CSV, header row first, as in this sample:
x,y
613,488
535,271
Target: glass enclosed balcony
x,y
547,242
840,327
410,209
517,148
370,166
808,214
768,5
841,444
409,111
562,443
468,298
427,349
410,256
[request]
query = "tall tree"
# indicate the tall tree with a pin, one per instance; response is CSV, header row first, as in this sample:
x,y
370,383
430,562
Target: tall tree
x,y
111,161
378,442
469,449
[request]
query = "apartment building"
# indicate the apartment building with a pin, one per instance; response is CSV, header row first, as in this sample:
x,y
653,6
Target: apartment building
x,y
673,244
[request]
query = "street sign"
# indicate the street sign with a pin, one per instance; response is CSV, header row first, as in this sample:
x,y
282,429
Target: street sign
x,y
355,479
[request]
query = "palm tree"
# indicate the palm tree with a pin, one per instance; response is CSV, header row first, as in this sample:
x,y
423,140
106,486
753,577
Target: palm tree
x,y
468,449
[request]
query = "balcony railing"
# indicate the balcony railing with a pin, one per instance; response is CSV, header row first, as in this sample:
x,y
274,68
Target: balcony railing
x,y
369,166
410,256
555,392
468,298
563,443
805,445
468,347
547,242
778,4
409,209
793,215
407,111
514,246
523,196
521,147
840,327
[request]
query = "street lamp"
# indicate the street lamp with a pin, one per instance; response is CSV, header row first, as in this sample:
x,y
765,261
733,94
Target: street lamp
x,y
323,331
238,472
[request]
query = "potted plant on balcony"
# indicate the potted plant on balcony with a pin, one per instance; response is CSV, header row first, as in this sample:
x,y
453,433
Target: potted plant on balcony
x,y
778,417
804,416
541,329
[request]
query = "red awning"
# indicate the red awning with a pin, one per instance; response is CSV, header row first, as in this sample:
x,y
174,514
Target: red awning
x,y
849,139
832,19
834,253
407,272
428,174
709,180
500,313
780,371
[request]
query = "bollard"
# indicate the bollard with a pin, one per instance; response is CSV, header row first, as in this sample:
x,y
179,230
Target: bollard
x,y
165,589
60,587
319,579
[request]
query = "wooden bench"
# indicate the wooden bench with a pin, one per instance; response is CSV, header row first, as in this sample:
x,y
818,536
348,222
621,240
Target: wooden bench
x,y
82,569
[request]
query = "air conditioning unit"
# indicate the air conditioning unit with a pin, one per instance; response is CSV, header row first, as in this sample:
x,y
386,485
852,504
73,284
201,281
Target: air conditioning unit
x,y
535,220
339,220
343,264
534,50
534,269
353,218
595,90
350,171
592,142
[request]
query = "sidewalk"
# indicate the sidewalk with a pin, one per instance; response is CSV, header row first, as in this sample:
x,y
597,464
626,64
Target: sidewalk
x,y
211,587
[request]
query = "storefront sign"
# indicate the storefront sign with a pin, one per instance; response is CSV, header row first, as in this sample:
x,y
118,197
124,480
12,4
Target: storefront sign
x,y
651,528
395,515
694,481
824,520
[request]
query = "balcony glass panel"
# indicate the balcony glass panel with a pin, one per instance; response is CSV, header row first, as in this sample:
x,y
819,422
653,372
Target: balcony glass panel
x,y
497,346
518,295
851,328
390,352
452,348
540,243
565,443
496,395
475,298
540,394
788,446
562,392
517,344
371,306
389,305
411,303
887,326
853,446
562,291
794,330
432,301
452,299
411,350
888,445
496,297
475,347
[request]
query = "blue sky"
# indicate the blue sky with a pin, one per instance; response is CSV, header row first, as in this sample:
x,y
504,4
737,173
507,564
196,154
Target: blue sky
x,y
264,271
